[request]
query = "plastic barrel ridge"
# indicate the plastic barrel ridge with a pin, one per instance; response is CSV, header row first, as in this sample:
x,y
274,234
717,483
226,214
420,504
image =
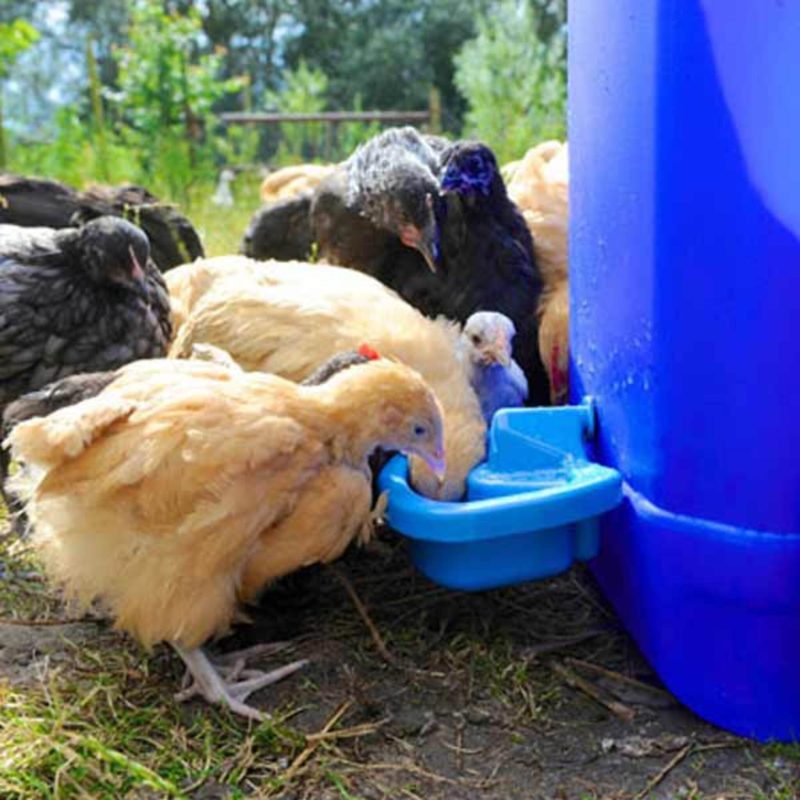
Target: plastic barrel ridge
x,y
685,282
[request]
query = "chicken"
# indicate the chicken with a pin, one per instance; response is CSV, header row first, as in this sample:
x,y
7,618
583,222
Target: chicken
x,y
540,187
280,230
286,318
185,487
404,199
386,200
34,202
488,257
485,348
290,181
76,300
376,206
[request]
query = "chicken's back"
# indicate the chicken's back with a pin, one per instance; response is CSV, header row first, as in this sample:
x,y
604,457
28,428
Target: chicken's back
x,y
288,318
57,323
290,181
151,495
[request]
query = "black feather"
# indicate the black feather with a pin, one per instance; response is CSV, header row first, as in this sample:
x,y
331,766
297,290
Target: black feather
x,y
34,202
71,302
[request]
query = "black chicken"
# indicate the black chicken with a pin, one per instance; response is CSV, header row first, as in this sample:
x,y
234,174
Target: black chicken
x,y
280,230
35,202
76,300
488,261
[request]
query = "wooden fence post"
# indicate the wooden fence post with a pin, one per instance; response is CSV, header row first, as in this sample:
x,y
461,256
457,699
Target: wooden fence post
x,y
435,106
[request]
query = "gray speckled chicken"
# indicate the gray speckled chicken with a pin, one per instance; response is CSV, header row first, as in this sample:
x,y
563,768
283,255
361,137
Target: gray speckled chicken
x,y
382,197
88,299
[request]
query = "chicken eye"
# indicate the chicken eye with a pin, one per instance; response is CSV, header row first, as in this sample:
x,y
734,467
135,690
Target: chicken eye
x,y
475,338
420,430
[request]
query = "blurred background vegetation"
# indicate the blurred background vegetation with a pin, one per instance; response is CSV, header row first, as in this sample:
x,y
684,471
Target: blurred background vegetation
x,y
117,91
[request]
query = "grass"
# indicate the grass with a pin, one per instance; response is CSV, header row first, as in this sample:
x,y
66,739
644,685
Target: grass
x,y
97,719
102,724
118,731
221,229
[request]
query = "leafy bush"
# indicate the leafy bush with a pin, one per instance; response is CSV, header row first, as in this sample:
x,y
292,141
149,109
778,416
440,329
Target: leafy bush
x,y
15,38
303,91
513,80
166,93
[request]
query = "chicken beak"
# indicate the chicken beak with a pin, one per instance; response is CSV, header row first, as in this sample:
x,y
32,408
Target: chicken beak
x,y
437,464
502,357
136,268
425,240
496,354
429,246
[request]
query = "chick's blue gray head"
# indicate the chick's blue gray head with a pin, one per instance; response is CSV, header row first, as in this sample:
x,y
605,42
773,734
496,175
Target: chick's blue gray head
x,y
487,338
113,250
470,169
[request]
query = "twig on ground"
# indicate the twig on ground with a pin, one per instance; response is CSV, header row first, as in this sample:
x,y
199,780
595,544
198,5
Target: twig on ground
x,y
673,762
377,639
315,743
620,710
618,677
44,622
348,733
531,651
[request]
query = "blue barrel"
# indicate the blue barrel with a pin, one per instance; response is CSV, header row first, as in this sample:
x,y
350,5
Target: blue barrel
x,y
684,127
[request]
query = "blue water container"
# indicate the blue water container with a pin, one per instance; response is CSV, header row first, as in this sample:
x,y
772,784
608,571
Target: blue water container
x,y
684,129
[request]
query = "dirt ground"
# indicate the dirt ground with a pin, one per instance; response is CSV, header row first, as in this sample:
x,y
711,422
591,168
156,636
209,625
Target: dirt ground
x,y
526,692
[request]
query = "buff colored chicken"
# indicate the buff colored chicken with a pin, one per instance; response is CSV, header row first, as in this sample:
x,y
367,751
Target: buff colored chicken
x,y
287,318
539,185
184,487
291,181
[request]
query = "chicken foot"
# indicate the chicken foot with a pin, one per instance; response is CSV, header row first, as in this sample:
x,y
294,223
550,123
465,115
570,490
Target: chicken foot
x,y
209,683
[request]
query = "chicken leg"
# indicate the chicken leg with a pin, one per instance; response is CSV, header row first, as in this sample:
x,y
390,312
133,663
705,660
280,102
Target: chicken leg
x,y
218,690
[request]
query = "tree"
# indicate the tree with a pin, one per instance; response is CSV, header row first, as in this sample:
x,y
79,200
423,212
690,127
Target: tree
x,y
15,37
167,91
389,53
514,80
303,91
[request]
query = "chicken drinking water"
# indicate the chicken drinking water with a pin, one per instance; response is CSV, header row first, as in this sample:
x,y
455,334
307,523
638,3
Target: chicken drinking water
x,y
184,487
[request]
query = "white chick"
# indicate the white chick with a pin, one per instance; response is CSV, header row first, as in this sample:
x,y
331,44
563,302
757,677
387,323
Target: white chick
x,y
485,350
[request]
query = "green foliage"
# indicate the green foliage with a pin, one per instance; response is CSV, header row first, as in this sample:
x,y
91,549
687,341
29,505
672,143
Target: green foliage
x,y
389,53
15,38
513,80
70,155
303,92
167,89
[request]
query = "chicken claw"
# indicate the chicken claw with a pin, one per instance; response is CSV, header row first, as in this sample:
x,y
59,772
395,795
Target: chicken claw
x,y
209,683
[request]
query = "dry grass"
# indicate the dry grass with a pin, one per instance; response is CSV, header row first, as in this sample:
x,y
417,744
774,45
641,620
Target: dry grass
x,y
469,708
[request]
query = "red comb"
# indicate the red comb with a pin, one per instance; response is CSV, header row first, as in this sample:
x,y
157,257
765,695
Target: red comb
x,y
366,351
